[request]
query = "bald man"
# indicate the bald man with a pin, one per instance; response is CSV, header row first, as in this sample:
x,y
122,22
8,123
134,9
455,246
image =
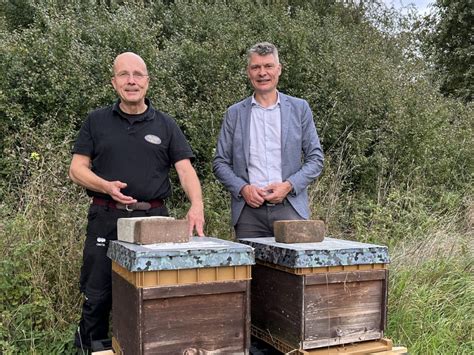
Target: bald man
x,y
122,156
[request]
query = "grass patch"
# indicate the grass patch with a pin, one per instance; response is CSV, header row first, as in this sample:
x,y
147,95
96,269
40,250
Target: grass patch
x,y
431,295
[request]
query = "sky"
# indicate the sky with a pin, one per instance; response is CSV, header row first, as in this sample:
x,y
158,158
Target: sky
x,y
421,5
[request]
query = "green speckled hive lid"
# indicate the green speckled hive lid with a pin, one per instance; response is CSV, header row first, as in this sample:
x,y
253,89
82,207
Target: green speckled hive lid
x,y
200,252
329,252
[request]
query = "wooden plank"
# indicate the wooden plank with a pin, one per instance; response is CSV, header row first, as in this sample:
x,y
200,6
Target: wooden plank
x,y
277,304
275,342
196,324
345,277
324,269
346,339
116,346
126,310
247,317
103,352
362,348
341,313
194,289
183,276
395,350
384,310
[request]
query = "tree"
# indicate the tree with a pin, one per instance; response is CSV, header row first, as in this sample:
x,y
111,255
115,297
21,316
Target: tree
x,y
18,14
448,42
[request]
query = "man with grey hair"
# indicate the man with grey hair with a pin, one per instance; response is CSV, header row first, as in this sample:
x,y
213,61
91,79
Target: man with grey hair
x,y
268,151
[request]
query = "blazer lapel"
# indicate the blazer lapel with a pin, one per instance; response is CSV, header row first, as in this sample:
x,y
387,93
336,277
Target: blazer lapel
x,y
285,113
245,113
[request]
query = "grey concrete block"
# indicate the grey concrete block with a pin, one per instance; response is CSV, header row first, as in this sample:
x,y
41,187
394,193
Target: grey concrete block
x,y
151,230
299,231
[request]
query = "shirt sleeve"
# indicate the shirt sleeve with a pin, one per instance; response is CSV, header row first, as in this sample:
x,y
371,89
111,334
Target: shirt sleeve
x,y
84,144
179,147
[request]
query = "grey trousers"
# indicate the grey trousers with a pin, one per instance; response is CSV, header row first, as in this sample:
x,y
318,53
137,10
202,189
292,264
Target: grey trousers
x,y
258,222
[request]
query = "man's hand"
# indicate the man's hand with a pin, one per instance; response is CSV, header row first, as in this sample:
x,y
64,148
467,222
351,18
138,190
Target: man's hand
x,y
113,189
253,195
277,191
80,172
195,218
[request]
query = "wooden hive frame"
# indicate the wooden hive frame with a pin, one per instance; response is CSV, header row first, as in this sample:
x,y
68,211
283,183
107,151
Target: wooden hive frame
x,y
183,276
169,311
329,305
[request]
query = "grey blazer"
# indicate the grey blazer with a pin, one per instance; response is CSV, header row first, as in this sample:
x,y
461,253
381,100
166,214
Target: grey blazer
x,y
302,156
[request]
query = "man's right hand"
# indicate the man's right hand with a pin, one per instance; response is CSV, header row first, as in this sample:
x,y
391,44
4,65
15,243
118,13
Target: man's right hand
x,y
113,189
253,195
80,172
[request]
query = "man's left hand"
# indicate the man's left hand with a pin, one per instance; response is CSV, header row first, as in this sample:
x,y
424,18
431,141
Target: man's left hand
x,y
277,191
195,218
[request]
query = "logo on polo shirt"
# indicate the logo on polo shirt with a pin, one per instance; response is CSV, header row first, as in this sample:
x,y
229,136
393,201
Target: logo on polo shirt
x,y
150,138
100,242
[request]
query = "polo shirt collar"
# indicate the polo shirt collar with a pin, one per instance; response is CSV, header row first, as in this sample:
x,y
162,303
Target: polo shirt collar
x,y
149,114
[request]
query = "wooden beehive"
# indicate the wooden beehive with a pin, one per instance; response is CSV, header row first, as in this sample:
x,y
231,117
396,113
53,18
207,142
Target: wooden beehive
x,y
313,295
181,298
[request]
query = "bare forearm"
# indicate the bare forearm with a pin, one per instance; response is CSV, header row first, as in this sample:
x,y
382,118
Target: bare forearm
x,y
192,187
80,172
86,178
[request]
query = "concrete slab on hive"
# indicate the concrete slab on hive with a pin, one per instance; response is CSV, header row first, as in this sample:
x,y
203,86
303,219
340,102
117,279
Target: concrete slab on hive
x,y
299,231
150,230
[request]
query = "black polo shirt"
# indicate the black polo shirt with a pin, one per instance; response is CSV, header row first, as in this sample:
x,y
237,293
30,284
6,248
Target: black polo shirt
x,y
138,153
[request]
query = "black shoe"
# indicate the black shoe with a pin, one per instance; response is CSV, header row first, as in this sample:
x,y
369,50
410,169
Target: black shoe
x,y
101,345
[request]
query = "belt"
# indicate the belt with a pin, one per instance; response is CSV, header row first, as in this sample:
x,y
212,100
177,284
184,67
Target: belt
x,y
137,206
269,204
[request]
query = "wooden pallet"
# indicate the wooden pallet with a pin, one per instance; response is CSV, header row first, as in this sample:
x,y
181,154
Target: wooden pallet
x,y
382,346
360,349
379,347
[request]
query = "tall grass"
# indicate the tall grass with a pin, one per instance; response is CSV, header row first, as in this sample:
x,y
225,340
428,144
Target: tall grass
x,y
41,255
431,294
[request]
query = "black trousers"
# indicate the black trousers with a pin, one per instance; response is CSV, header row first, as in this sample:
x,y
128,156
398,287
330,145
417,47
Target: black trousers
x,y
96,271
